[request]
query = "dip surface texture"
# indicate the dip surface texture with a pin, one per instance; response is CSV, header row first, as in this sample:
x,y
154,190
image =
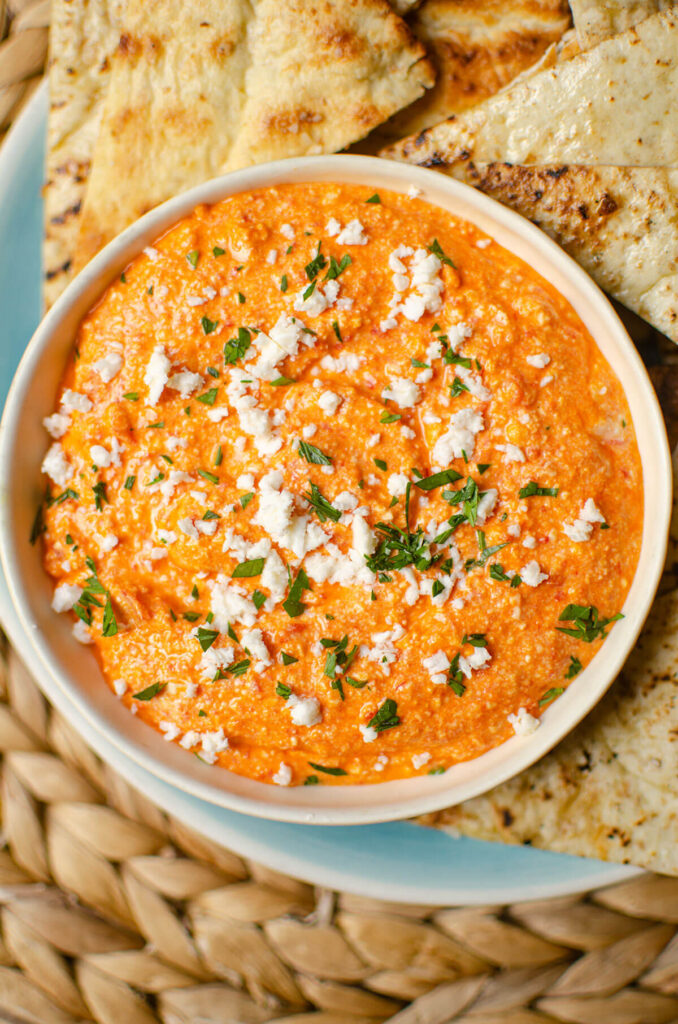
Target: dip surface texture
x,y
327,469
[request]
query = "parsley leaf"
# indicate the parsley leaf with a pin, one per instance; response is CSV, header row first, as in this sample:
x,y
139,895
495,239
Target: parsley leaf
x,y
235,348
208,326
209,397
149,692
437,250
533,489
574,668
310,453
292,603
321,506
588,624
386,717
446,476
550,695
244,570
206,637
327,770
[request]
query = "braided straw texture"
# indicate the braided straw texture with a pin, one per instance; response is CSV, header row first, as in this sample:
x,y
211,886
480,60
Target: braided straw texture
x,y
112,912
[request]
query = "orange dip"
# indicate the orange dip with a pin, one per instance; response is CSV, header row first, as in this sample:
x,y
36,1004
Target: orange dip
x,y
249,409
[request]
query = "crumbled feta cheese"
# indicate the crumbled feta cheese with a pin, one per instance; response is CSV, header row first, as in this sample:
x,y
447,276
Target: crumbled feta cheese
x,y
590,513
271,256
119,687
187,527
245,481
402,391
65,596
107,543
303,710
460,436
81,633
170,730
531,574
100,457
486,505
546,380
512,452
73,401
419,760
283,776
529,541
538,361
352,234
215,659
309,431
56,466
397,484
108,366
253,641
482,243
413,191
287,231
333,227
156,374
57,424
524,724
513,530
329,402
185,382
368,732
437,666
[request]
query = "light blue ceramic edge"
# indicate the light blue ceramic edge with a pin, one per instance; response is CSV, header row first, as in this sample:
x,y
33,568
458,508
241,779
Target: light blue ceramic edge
x,y
396,860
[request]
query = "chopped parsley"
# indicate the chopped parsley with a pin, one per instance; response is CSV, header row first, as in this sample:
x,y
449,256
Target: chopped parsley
x,y
193,258
206,637
483,467
335,328
374,199
321,506
241,298
283,691
282,382
210,515
209,397
283,283
452,359
239,668
327,770
390,417
149,692
386,717
288,659
446,476
310,453
550,695
335,269
318,263
293,604
244,570
457,387
258,599
437,250
131,396
208,476
218,251
245,499
533,490
588,624
398,548
109,625
100,495
235,348
574,668
380,464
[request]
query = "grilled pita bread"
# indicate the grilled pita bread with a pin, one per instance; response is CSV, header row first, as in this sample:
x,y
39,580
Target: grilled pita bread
x,y
202,88
83,35
609,790
613,105
596,20
477,47
620,224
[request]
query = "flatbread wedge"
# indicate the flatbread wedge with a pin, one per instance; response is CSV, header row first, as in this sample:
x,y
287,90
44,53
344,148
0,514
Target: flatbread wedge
x,y
609,790
613,105
619,223
596,20
477,47
83,36
203,88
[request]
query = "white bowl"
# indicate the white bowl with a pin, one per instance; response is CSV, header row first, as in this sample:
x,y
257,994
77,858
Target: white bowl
x,y
74,669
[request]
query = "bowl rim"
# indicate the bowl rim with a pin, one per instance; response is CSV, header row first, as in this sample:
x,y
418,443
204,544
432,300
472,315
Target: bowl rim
x,y
520,752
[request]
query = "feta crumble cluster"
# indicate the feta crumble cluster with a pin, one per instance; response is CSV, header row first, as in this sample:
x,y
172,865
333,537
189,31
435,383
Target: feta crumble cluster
x,y
300,537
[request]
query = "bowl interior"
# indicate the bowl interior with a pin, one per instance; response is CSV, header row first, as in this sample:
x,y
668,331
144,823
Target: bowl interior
x,y
23,443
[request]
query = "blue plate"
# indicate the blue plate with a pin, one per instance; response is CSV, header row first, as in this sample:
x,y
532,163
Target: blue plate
x,y
396,861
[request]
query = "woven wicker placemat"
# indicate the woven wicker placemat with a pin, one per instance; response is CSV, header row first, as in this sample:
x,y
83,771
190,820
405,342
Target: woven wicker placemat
x,y
110,911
